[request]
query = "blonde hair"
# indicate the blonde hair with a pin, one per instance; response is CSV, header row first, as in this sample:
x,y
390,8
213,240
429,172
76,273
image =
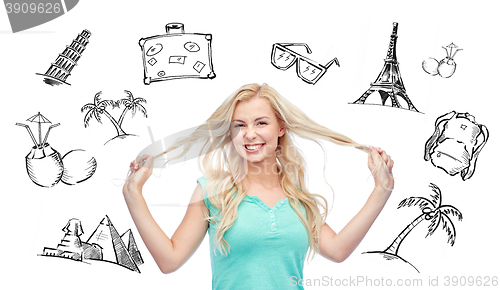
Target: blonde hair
x,y
225,168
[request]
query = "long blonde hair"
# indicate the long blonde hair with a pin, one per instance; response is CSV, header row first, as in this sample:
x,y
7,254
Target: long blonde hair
x,y
225,168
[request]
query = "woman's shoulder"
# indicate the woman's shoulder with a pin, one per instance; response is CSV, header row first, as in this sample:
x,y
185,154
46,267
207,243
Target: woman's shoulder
x,y
202,181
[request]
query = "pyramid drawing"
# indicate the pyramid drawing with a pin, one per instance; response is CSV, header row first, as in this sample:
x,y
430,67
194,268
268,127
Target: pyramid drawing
x,y
129,241
113,247
105,244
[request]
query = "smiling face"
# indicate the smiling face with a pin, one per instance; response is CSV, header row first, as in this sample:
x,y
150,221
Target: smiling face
x,y
259,129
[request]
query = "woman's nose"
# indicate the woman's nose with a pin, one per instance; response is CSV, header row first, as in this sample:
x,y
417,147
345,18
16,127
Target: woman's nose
x,y
250,132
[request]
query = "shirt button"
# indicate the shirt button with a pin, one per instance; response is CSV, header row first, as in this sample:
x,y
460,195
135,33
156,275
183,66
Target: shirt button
x,y
270,210
272,216
273,224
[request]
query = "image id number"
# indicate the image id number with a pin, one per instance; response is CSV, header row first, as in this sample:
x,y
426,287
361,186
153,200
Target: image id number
x,y
39,8
470,281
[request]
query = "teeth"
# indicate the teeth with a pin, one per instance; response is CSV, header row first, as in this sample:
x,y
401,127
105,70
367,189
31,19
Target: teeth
x,y
253,147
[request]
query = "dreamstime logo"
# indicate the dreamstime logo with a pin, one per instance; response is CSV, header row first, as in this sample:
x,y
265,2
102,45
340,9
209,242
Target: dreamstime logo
x,y
25,14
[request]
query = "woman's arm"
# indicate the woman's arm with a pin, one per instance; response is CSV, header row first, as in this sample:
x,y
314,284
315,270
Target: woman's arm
x,y
337,247
169,254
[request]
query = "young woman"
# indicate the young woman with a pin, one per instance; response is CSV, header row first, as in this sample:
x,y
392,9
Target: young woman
x,y
253,199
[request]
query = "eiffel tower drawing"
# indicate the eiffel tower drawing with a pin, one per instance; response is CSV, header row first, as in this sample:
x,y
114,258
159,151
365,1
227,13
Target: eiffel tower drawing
x,y
389,83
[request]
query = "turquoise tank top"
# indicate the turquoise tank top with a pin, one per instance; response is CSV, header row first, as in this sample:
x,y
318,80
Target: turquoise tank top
x,y
268,246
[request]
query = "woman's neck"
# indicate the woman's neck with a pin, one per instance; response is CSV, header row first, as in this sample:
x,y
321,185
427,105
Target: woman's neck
x,y
264,173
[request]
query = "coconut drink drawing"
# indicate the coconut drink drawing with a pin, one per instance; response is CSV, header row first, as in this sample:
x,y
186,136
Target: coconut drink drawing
x,y
43,163
46,167
446,67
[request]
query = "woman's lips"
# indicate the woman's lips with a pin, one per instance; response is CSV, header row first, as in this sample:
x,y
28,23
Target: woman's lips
x,y
254,147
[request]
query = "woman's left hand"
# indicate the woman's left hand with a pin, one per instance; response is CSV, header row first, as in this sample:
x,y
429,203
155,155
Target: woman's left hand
x,y
337,247
383,178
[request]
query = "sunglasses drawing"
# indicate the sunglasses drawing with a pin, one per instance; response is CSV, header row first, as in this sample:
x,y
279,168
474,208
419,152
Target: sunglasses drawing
x,y
308,70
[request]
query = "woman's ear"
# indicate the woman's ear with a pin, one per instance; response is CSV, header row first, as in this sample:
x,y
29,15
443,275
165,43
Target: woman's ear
x,y
282,129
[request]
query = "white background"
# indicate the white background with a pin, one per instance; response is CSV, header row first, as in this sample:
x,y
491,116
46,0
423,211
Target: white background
x,y
356,33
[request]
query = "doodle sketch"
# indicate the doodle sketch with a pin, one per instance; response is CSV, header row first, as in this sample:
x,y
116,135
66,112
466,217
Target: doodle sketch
x,y
130,103
446,67
308,70
61,68
389,83
46,167
104,244
433,211
177,55
456,143
78,166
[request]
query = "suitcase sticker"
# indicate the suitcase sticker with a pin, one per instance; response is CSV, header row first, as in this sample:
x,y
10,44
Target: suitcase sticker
x,y
177,55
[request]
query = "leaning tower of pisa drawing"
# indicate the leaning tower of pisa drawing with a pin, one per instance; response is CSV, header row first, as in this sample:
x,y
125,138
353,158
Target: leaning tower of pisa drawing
x,y
61,68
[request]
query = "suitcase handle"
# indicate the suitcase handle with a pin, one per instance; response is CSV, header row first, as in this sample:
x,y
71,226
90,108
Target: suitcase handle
x,y
174,28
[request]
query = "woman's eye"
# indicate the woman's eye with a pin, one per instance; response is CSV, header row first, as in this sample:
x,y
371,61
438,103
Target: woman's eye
x,y
238,125
262,123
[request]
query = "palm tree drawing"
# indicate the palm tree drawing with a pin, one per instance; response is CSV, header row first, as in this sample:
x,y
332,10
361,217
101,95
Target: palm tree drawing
x,y
131,104
433,211
99,107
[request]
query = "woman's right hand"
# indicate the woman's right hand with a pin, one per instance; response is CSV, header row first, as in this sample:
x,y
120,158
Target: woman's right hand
x,y
140,170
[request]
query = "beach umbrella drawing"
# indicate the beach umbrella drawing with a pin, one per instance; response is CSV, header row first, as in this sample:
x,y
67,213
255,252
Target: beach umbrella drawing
x,y
39,118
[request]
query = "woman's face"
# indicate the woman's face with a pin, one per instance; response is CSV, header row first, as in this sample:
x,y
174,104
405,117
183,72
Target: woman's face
x,y
259,129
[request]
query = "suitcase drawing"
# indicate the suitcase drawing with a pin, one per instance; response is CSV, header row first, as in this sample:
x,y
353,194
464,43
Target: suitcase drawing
x,y
177,55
